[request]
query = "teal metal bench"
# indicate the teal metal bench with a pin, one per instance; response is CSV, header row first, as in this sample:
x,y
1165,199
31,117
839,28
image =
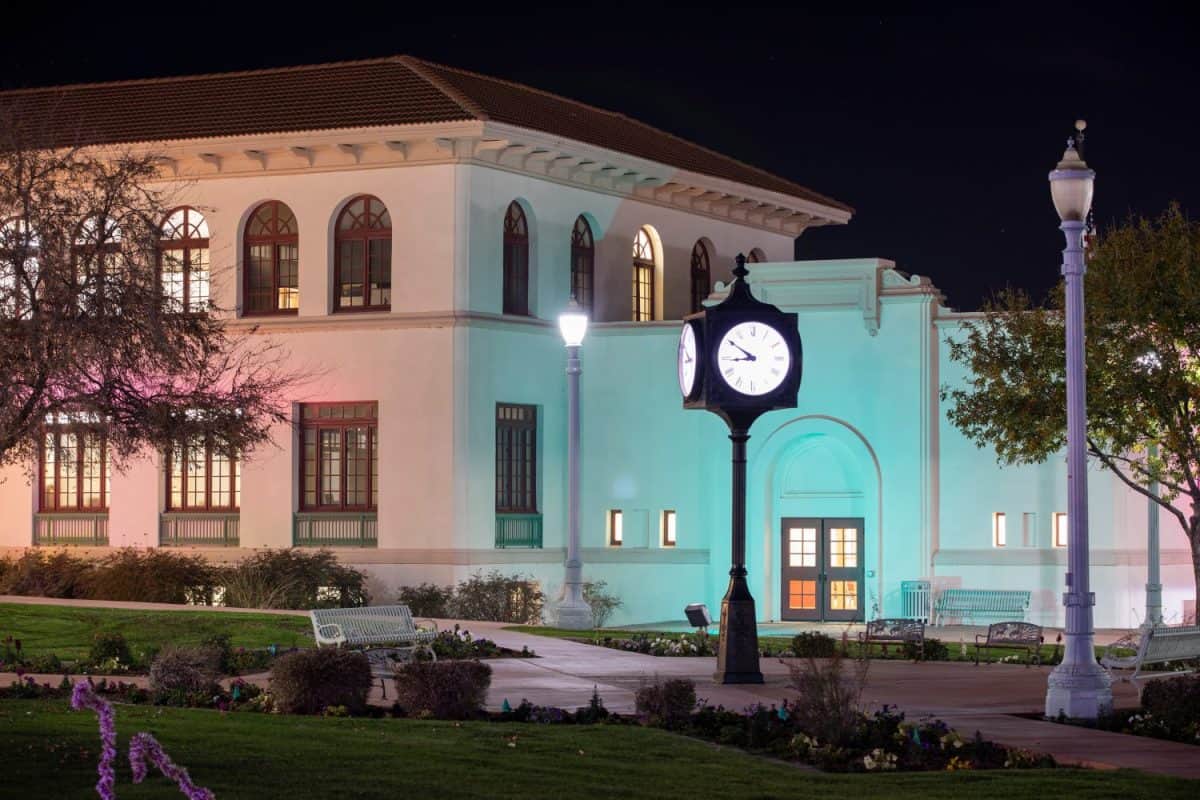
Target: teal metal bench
x,y
1155,645
970,604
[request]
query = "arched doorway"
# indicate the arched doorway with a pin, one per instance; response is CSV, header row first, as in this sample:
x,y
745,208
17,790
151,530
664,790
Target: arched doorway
x,y
820,522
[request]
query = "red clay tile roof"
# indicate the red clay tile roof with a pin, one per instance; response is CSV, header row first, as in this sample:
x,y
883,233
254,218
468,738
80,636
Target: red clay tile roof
x,y
388,91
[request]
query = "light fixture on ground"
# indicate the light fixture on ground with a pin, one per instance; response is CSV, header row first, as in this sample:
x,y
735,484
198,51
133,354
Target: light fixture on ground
x,y
573,612
1078,687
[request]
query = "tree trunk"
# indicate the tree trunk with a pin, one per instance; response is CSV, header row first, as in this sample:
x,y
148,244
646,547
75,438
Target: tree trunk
x,y
1194,539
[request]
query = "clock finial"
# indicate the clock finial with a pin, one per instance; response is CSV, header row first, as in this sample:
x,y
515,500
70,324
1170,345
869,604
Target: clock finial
x,y
740,270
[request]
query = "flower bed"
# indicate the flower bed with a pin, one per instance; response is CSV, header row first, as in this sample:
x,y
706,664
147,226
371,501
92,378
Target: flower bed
x,y
1170,709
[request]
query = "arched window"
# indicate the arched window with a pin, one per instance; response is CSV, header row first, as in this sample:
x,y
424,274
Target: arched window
x,y
583,263
643,276
18,267
516,261
272,269
701,275
363,272
183,263
757,256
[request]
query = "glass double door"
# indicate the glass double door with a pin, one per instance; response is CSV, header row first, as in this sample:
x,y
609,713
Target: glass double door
x,y
822,569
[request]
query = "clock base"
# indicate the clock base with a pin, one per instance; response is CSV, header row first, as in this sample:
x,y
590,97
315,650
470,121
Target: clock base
x,y
737,651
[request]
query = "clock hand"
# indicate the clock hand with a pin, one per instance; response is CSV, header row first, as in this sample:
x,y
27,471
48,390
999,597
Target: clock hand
x,y
749,356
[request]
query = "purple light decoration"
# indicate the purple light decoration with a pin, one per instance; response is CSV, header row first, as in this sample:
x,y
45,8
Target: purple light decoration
x,y
144,750
82,697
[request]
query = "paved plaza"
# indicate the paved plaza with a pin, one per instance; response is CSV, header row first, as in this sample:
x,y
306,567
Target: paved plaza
x,y
988,698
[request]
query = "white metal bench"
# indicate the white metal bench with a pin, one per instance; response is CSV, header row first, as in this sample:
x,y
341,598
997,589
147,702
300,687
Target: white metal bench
x,y
1155,645
973,603
387,633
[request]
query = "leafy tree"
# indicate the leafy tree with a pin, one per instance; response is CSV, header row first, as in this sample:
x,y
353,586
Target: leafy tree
x,y
1143,367
86,330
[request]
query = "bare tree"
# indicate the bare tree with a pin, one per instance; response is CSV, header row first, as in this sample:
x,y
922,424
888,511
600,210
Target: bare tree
x,y
87,332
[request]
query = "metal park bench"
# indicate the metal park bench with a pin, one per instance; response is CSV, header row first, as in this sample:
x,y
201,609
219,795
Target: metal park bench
x,y
1016,635
1155,645
972,603
893,631
386,633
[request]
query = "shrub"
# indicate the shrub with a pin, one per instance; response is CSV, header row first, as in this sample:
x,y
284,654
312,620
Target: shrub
x,y
594,711
1175,704
814,644
151,576
39,574
443,689
934,650
109,645
498,598
185,675
459,644
668,704
292,578
601,602
309,681
828,702
427,599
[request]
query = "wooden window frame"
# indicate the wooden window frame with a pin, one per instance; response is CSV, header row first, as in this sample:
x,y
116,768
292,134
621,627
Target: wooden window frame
x,y
583,264
507,491
999,529
366,235
669,528
275,240
515,288
80,430
701,275
616,527
188,245
1054,518
342,424
644,267
208,506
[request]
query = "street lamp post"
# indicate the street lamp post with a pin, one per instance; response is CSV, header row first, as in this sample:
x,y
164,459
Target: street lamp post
x,y
573,612
1153,580
1078,687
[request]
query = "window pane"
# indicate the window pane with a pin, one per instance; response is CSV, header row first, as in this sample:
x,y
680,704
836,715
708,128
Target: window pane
x,y
331,467
195,475
310,467
381,272
843,595
802,595
802,547
49,462
843,547
68,453
198,279
289,276
357,466
93,458
175,500
261,282
172,277
350,292
222,472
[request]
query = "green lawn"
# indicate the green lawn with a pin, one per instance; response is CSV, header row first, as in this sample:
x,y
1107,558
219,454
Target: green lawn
x,y
51,752
67,631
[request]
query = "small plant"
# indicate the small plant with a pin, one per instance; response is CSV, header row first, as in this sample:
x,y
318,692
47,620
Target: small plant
x,y
443,689
1174,706
309,681
185,676
594,711
602,604
933,650
427,599
828,702
813,644
107,646
668,704
459,644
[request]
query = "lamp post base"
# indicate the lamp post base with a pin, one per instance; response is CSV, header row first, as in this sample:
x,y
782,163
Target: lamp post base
x,y
574,617
737,652
1079,691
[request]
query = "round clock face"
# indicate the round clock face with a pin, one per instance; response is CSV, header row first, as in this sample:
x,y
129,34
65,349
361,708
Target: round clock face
x,y
753,358
687,360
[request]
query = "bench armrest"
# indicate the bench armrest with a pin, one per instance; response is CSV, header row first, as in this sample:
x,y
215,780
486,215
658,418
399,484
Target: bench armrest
x,y
331,633
980,639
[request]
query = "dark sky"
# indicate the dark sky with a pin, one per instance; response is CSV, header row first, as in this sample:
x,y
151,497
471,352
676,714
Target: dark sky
x,y
939,128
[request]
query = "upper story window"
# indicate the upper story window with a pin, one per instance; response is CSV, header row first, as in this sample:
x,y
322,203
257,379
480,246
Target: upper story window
x,y
1058,529
701,275
73,465
583,263
97,255
363,273
516,459
516,261
644,260
272,267
339,467
18,267
757,256
999,529
203,476
183,261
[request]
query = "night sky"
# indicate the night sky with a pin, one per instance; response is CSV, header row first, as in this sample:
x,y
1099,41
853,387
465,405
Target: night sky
x,y
938,128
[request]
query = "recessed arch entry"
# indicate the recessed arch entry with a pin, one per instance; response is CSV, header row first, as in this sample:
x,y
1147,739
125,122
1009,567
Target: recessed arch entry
x,y
818,474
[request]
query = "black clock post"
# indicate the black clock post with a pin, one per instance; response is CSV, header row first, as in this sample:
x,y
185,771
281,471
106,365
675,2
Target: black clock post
x,y
739,399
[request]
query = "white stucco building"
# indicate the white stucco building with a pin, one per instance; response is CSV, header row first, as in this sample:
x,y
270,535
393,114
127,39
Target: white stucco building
x,y
409,232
